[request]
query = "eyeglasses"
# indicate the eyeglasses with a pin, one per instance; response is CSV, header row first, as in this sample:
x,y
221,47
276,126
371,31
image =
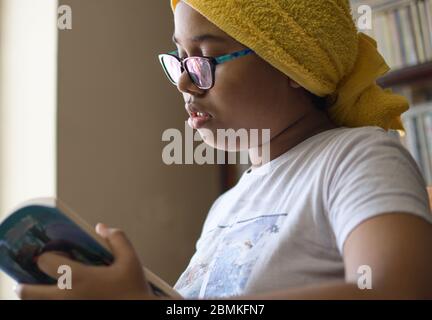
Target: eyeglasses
x,y
201,70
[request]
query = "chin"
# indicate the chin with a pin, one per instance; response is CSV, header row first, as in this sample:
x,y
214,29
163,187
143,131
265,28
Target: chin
x,y
210,139
232,140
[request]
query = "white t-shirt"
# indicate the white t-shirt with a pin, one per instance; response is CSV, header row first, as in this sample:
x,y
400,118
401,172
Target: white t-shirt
x,y
284,224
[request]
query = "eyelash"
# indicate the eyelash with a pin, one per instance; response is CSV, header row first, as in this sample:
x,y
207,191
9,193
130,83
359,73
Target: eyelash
x,y
181,55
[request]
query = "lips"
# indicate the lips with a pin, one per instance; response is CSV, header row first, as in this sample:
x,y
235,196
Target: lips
x,y
197,116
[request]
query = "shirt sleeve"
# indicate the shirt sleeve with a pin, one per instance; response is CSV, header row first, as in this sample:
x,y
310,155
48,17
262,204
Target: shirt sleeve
x,y
374,174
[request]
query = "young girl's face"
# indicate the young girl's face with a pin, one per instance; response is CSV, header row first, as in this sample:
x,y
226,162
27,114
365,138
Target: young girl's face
x,y
248,92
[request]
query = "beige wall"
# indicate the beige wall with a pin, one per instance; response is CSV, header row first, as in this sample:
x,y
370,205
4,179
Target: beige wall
x,y
114,103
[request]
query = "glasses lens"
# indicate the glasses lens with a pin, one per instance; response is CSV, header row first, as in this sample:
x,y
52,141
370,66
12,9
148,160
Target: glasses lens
x,y
172,67
200,71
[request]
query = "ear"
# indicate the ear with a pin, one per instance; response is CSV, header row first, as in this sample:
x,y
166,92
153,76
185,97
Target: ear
x,y
294,84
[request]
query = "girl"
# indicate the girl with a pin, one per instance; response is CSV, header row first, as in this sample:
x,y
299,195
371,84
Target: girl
x,y
340,210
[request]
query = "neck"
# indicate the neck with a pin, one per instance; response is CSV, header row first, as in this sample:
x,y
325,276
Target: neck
x,y
309,125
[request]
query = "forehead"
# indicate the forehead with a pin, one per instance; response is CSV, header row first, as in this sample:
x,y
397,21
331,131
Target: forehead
x,y
189,22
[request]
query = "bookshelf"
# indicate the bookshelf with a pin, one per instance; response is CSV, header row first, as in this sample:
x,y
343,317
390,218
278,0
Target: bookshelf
x,y
403,31
411,75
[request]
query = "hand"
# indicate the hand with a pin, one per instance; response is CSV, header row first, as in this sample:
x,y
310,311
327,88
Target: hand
x,y
124,279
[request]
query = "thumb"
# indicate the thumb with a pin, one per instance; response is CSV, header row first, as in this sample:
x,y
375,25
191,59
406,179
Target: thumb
x,y
49,263
118,242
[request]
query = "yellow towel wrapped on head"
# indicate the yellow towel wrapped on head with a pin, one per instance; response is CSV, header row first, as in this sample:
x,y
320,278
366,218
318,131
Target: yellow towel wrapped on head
x,y
316,44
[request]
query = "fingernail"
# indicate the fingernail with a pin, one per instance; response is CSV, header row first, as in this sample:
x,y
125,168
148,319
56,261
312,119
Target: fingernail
x,y
101,229
101,225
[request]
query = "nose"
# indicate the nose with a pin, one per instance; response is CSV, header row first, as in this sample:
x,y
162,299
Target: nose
x,y
185,85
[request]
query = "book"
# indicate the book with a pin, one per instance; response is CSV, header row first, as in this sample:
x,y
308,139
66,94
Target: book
x,y
407,39
47,224
427,118
425,28
428,4
415,18
418,125
411,138
395,38
424,156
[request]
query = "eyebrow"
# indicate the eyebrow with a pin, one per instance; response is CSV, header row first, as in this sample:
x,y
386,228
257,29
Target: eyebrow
x,y
202,38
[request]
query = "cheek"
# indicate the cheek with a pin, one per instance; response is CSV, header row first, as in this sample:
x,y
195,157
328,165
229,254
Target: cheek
x,y
248,98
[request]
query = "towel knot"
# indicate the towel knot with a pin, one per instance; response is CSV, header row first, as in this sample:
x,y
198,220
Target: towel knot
x,y
358,100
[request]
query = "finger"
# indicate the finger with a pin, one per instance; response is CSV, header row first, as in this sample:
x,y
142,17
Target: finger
x,y
120,245
50,262
102,229
38,292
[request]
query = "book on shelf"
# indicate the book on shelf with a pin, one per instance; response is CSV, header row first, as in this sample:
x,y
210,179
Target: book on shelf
x,y
418,139
48,225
